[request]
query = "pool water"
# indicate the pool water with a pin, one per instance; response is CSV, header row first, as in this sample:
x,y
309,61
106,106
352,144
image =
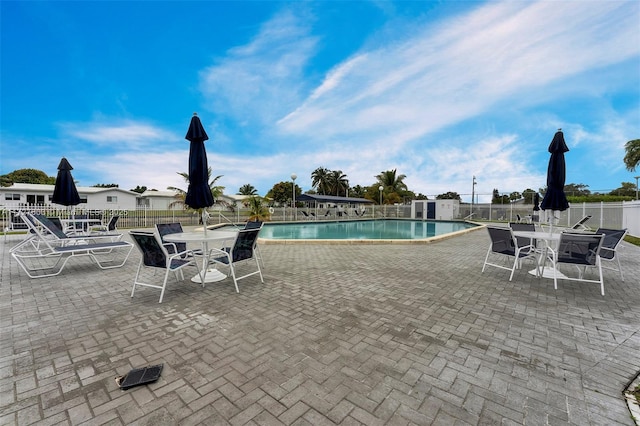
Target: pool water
x,y
361,230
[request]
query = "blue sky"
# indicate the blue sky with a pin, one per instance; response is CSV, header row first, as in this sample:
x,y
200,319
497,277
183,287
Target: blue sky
x,y
440,91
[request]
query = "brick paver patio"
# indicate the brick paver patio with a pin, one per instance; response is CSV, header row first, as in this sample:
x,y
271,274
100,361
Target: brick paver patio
x,y
338,334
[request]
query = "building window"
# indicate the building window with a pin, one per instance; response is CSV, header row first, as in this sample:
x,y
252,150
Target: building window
x,y
83,199
112,199
12,197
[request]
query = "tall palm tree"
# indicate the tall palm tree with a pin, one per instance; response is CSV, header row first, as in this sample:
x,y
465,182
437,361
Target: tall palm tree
x,y
181,194
320,180
393,186
632,156
391,181
338,183
258,210
247,189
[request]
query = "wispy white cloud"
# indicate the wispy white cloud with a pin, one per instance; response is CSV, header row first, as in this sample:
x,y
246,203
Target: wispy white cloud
x,y
263,78
130,134
457,70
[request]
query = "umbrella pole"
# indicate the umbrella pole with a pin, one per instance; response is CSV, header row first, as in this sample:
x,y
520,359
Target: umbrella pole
x,y
205,218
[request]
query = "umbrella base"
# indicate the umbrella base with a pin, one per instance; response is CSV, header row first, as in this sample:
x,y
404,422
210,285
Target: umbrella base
x,y
548,273
210,276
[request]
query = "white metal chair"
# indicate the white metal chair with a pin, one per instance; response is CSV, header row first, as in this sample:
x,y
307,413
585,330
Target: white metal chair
x,y
580,225
243,251
609,249
46,252
155,255
109,227
504,245
581,250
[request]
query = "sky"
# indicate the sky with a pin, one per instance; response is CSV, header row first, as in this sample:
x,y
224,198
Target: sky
x,y
441,91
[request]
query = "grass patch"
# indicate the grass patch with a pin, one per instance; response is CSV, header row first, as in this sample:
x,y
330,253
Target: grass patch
x,y
632,240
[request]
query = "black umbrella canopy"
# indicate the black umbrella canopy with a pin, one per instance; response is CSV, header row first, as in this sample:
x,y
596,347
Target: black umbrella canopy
x,y
65,191
198,193
554,198
536,202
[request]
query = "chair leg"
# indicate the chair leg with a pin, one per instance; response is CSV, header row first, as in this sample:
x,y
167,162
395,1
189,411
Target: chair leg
x,y
164,285
486,258
135,280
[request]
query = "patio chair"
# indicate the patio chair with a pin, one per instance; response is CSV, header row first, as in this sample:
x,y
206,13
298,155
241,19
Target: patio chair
x,y
45,228
256,225
109,227
253,224
504,245
609,249
580,225
243,252
527,227
305,214
171,228
47,255
579,250
155,256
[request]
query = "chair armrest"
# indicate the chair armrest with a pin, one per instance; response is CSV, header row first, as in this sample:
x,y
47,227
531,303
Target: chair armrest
x,y
171,247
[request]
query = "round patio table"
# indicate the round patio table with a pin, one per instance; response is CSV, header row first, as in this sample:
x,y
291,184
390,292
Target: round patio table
x,y
208,274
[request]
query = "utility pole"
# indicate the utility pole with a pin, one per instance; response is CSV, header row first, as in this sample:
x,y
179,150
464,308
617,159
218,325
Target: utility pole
x,y
473,193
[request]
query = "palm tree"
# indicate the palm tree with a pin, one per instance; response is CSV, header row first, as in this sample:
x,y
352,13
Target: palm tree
x,y
258,210
338,182
320,180
391,181
247,189
632,156
393,186
181,194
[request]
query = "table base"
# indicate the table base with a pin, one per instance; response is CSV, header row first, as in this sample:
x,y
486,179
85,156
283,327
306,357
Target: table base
x,y
210,276
548,273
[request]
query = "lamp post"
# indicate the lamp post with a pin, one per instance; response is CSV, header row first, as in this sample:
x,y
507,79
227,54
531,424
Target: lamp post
x,y
380,188
636,178
473,194
293,178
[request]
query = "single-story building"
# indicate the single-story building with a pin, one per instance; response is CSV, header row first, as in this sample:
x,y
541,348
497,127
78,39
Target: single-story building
x,y
20,195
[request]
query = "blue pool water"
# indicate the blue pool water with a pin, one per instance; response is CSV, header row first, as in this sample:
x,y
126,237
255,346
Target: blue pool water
x,y
361,230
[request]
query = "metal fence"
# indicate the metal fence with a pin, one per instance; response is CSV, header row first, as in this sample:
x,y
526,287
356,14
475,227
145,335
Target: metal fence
x,y
609,215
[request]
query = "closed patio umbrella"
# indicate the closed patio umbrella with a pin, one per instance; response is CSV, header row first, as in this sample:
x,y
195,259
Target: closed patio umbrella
x,y
555,200
199,193
65,191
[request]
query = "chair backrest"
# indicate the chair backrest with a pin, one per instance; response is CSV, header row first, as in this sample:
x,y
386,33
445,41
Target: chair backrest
x,y
57,222
612,238
502,240
48,225
171,228
150,246
111,226
244,244
580,224
579,249
529,227
253,224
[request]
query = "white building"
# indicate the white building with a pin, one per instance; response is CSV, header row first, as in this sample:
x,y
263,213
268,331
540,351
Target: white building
x,y
21,195
435,209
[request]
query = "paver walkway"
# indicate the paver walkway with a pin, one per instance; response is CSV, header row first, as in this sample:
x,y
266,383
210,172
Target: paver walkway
x,y
347,334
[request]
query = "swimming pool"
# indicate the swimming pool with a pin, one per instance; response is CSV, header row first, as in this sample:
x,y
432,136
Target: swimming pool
x,y
363,230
